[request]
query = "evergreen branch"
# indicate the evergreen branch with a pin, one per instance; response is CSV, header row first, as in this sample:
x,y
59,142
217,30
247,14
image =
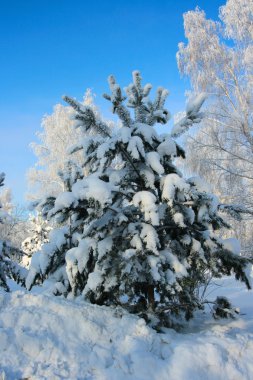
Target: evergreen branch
x,y
87,116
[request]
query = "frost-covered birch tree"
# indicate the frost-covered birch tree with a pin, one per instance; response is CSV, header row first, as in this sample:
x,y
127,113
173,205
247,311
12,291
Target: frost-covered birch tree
x,y
141,236
58,134
14,230
218,59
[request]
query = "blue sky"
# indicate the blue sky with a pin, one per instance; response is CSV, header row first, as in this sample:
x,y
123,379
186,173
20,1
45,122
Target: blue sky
x,y
55,47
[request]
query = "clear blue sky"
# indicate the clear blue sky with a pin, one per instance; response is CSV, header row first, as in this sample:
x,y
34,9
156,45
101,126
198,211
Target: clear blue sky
x,y
55,47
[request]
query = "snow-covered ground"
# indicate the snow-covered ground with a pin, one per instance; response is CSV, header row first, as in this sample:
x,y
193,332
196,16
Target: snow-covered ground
x,y
44,337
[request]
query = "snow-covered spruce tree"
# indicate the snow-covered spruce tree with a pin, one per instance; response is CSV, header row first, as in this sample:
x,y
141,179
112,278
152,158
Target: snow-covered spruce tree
x,y
148,235
8,268
39,229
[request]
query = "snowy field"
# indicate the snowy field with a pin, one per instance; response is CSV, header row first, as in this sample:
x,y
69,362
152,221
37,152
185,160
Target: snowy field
x,y
43,337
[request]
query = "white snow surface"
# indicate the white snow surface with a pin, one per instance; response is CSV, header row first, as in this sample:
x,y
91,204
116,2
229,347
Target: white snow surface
x,y
146,131
93,188
46,337
169,185
167,148
146,200
153,160
64,200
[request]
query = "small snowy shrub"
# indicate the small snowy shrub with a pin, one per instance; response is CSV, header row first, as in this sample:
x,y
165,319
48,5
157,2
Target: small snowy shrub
x,y
223,309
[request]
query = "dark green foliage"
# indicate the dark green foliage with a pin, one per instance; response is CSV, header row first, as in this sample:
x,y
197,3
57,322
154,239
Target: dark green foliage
x,y
224,309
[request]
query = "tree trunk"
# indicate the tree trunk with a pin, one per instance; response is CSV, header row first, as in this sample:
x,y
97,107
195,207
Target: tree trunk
x,y
151,297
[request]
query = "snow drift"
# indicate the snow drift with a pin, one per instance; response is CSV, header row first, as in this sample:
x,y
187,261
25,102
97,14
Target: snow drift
x,y
45,337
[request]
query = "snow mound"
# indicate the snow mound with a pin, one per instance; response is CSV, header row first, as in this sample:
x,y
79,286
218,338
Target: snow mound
x,y
43,337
